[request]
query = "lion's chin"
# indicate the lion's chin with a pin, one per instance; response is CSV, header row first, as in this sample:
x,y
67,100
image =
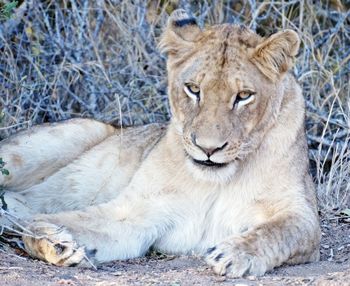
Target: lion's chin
x,y
219,173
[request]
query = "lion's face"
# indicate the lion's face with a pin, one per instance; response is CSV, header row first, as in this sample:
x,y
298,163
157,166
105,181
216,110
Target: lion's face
x,y
225,87
217,108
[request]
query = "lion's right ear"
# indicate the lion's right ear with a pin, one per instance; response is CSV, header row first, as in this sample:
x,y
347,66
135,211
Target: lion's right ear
x,y
275,55
180,33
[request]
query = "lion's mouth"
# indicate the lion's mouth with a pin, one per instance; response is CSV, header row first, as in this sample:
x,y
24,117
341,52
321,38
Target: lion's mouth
x,y
209,163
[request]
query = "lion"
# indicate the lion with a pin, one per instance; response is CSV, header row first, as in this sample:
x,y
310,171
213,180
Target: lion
x,y
227,178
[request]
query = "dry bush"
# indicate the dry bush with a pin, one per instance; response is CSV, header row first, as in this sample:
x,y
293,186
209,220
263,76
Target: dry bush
x,y
61,59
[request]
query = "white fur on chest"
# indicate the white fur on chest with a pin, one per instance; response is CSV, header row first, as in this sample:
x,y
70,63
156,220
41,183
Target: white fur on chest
x,y
205,218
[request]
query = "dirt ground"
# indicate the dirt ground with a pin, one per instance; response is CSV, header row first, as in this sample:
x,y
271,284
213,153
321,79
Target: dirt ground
x,y
333,269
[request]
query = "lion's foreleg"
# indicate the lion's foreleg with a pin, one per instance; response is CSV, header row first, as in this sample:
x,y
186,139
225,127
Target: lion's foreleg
x,y
101,233
285,239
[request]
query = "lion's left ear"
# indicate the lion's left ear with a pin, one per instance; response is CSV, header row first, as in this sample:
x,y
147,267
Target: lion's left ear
x,y
180,33
275,55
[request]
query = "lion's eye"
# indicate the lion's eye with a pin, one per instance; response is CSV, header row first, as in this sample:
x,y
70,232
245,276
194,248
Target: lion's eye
x,y
243,98
193,91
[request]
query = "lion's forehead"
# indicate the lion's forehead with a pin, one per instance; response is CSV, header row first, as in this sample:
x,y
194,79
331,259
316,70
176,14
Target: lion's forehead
x,y
228,44
222,56
234,35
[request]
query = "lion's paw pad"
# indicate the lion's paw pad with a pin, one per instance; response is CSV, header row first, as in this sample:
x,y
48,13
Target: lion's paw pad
x,y
53,244
233,261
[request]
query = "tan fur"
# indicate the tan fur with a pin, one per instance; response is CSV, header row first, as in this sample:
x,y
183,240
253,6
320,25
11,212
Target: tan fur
x,y
113,194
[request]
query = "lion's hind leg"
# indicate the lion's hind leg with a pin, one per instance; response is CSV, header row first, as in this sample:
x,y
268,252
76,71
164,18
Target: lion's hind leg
x,y
33,155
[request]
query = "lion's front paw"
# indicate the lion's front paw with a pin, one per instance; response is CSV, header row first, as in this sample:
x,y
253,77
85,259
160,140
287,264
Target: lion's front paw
x,y
55,245
235,259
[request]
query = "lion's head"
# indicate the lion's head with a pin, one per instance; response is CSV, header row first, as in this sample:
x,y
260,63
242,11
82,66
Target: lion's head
x,y
225,89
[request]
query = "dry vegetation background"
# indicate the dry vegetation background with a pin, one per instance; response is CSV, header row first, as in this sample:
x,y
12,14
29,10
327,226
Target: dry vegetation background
x,y
69,58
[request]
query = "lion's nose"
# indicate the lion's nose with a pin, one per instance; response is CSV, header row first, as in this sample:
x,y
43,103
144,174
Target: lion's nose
x,y
208,146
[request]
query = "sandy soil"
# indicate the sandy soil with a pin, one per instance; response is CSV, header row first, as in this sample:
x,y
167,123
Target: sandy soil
x,y
333,269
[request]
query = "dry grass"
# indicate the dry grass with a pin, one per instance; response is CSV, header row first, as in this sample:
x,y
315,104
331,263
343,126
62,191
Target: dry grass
x,y
61,59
